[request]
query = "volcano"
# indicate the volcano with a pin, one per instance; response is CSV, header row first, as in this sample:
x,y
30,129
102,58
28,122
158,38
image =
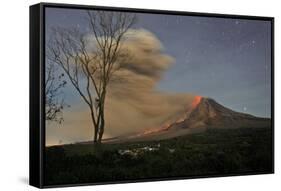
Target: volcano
x,y
210,114
205,114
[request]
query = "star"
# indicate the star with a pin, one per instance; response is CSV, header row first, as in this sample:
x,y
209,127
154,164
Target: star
x,y
253,42
64,17
177,20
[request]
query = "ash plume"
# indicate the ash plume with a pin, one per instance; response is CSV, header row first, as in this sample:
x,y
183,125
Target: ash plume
x,y
133,102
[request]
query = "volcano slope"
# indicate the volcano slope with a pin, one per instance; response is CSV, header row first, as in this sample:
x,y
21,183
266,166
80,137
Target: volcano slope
x,y
205,114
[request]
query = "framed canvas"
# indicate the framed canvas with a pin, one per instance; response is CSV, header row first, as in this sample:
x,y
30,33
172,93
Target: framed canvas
x,y
127,95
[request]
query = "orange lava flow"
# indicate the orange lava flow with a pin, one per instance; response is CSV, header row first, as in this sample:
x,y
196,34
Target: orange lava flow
x,y
196,101
166,126
156,130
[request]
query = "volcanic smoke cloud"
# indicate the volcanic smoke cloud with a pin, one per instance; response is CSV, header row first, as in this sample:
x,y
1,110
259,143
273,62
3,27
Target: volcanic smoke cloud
x,y
133,102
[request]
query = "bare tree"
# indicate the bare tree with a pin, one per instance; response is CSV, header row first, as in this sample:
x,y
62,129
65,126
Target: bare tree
x,y
94,66
54,102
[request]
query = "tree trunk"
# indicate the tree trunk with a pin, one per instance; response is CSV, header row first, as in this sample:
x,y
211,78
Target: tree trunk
x,y
96,135
95,126
101,125
102,120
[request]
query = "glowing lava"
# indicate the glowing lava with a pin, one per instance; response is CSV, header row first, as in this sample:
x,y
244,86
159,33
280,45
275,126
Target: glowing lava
x,y
167,125
156,130
196,101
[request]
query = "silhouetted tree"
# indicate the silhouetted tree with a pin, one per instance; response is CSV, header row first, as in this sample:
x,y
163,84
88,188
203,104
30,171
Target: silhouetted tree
x,y
69,48
54,102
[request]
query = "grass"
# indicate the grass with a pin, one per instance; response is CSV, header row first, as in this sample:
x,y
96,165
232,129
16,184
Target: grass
x,y
215,152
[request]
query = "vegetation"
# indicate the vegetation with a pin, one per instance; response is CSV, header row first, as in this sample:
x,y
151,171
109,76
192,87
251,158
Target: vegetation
x,y
215,152
54,102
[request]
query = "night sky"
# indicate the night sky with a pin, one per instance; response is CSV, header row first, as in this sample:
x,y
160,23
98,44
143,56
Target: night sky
x,y
228,60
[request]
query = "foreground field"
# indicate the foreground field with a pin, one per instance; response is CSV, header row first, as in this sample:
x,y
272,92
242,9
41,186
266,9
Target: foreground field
x,y
215,152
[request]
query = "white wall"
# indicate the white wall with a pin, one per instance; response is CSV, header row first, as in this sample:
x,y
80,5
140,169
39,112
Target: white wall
x,y
14,41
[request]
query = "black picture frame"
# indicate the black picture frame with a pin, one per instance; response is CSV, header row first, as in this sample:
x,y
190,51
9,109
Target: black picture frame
x,y
37,89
